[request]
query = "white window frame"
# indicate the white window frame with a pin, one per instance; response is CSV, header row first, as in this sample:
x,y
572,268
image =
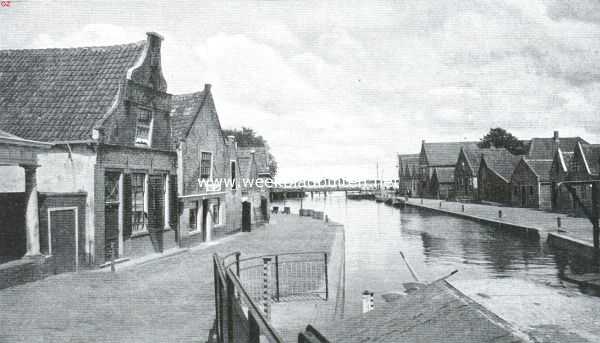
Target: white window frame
x,y
212,157
68,208
145,142
144,230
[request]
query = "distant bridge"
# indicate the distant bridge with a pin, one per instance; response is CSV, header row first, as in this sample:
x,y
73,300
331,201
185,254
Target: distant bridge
x,y
279,193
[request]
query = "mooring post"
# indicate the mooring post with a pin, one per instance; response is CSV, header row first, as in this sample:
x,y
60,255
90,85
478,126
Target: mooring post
x,y
463,208
558,223
440,204
266,304
112,256
421,201
499,213
371,301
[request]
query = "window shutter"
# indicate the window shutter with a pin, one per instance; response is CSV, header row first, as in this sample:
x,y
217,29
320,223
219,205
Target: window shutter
x,y
173,201
126,206
155,201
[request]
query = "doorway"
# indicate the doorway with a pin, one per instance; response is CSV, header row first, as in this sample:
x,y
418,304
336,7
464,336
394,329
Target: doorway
x,y
246,216
204,219
523,196
63,227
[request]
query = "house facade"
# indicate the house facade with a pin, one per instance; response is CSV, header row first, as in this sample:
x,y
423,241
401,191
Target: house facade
x,y
254,167
495,169
583,166
561,198
209,197
442,183
531,184
465,172
105,111
437,155
408,174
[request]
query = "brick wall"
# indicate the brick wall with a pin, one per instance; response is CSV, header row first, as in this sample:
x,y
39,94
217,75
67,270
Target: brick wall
x,y
525,182
493,188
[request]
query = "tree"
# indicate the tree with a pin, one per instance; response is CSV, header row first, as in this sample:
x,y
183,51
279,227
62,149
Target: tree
x,y
500,138
247,137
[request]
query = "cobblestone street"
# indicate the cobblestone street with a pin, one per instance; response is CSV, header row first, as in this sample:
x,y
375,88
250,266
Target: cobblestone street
x,y
166,300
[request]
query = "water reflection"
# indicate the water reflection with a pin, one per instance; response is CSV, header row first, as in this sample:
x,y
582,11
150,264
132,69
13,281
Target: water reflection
x,y
434,244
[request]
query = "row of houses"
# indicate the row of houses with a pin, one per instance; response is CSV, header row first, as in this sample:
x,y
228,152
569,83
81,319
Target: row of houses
x,y
100,162
464,171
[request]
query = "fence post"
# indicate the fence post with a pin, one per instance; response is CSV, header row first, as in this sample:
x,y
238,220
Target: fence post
x,y
230,297
237,264
277,277
266,309
217,317
326,278
253,329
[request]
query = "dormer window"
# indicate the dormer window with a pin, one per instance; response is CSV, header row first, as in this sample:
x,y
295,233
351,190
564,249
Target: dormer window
x,y
143,127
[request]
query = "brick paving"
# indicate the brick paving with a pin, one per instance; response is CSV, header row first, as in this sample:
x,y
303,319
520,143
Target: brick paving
x,y
166,300
545,222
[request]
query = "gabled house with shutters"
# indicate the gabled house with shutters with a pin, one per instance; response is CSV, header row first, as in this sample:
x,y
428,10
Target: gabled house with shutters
x,y
105,112
209,196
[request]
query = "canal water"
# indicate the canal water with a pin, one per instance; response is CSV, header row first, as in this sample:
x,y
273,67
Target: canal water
x,y
435,245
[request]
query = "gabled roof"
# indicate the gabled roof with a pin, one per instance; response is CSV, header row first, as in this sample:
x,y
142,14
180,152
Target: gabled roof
x,y
541,168
444,174
473,156
500,161
184,110
260,157
435,313
591,153
563,159
409,163
544,148
61,94
442,153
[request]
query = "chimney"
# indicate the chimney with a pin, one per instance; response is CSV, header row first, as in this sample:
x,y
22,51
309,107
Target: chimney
x,y
231,140
556,139
422,142
207,87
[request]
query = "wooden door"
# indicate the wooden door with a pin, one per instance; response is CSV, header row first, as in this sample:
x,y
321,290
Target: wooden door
x,y
63,232
246,216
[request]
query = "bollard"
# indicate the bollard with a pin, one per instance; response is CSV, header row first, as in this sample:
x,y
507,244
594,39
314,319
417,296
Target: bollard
x,y
421,201
499,213
112,256
440,204
558,223
266,304
463,208
326,219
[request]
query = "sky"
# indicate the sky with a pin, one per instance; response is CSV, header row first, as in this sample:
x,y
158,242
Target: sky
x,y
338,87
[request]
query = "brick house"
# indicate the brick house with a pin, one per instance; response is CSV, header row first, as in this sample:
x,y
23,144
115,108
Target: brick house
x,y
204,155
561,198
437,155
584,165
495,169
465,172
544,148
254,165
531,184
105,110
442,183
408,174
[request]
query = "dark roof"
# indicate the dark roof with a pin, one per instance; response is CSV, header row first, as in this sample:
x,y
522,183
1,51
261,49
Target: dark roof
x,y
61,94
501,161
444,174
260,156
184,108
542,168
436,313
592,156
566,159
409,162
443,153
473,155
544,148
8,138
